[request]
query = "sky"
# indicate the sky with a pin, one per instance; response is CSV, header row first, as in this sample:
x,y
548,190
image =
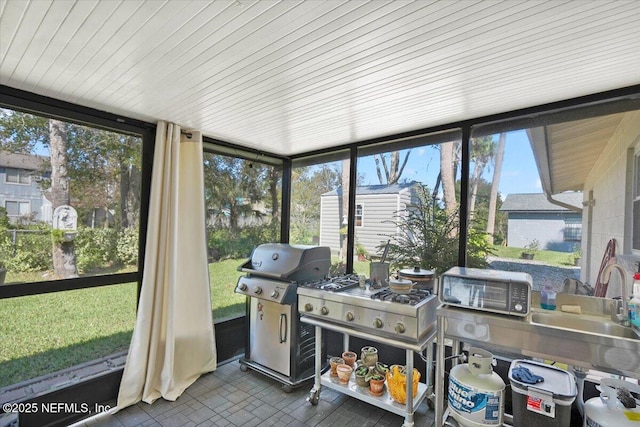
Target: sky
x,y
519,170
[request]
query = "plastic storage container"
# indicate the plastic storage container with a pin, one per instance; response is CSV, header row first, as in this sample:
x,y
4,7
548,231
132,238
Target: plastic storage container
x,y
544,404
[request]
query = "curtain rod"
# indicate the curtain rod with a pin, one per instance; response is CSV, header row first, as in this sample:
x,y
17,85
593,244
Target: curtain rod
x,y
187,133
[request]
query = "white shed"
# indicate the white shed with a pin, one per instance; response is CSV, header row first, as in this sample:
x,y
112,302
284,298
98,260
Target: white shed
x,y
377,206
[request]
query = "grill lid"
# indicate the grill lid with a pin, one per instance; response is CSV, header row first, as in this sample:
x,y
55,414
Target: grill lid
x,y
296,263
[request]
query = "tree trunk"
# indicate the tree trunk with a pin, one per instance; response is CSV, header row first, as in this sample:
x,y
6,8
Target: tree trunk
x,y
493,198
447,177
393,172
133,200
475,183
344,214
376,157
125,185
395,165
64,257
273,192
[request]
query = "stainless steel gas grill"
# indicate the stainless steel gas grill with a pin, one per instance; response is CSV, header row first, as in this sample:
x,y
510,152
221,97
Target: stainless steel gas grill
x,y
278,345
406,321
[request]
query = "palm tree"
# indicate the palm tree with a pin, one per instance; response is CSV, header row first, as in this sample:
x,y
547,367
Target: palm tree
x,y
482,150
493,198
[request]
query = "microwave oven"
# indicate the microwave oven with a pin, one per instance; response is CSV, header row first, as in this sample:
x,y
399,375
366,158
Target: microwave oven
x,y
496,291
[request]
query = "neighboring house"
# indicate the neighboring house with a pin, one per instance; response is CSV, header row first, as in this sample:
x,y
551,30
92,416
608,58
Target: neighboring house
x,y
256,214
20,192
555,227
605,166
377,206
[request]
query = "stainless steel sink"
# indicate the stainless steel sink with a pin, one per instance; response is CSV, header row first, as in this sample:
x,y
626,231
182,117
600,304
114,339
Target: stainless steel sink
x,y
583,323
588,340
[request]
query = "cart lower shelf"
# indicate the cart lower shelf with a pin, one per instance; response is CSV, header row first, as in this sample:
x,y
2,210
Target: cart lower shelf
x,y
385,401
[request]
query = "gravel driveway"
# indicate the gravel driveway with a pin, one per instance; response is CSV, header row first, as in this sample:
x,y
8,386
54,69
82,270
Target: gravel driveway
x,y
541,273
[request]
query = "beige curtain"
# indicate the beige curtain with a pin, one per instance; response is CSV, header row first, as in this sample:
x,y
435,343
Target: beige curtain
x,y
173,339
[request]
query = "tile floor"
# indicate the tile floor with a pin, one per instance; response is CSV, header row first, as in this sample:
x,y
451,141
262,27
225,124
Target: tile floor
x,y
230,397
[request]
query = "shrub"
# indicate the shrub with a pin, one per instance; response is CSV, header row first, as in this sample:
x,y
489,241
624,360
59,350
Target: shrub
x,y
127,246
95,248
31,252
428,237
233,244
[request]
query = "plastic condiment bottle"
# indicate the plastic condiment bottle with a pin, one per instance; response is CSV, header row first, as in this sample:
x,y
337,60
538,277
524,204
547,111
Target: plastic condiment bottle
x,y
634,303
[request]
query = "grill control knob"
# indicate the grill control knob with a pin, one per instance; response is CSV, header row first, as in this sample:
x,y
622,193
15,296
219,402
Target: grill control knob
x,y
378,323
275,294
258,290
324,310
518,307
350,316
400,328
242,287
308,307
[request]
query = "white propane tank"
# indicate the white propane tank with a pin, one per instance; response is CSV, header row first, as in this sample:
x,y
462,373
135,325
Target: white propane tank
x,y
476,393
607,410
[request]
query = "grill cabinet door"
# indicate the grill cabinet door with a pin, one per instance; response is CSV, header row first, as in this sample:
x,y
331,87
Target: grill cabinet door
x,y
270,335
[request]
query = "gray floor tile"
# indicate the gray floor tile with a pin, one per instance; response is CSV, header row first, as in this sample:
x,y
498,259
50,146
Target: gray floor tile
x,y
229,397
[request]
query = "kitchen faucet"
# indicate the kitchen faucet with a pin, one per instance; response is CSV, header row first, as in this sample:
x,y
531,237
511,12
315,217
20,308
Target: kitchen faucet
x,y
622,318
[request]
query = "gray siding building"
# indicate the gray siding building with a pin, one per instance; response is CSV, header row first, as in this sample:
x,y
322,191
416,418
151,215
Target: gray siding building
x,y
376,208
20,192
532,216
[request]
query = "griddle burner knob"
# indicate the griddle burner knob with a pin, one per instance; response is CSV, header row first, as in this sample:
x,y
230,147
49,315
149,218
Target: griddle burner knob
x,y
400,328
242,287
350,316
378,323
275,294
308,307
324,310
258,290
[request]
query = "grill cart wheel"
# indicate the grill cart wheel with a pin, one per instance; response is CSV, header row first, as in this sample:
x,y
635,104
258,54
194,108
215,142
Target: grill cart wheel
x,y
314,396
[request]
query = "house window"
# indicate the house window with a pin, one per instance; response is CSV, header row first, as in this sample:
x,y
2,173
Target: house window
x,y
359,215
572,229
17,208
17,176
636,202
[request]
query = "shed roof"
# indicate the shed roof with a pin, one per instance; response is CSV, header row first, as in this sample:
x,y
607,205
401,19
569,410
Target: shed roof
x,y
22,161
376,189
538,202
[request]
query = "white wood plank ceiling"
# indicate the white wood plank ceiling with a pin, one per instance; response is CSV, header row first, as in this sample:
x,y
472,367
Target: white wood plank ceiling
x,y
293,76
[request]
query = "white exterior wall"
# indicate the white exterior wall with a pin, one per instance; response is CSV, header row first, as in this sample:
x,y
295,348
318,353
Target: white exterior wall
x,y
330,223
546,228
378,211
610,182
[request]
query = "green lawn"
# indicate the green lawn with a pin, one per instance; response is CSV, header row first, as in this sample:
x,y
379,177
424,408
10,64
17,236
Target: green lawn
x,y
40,334
223,277
561,259
45,333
